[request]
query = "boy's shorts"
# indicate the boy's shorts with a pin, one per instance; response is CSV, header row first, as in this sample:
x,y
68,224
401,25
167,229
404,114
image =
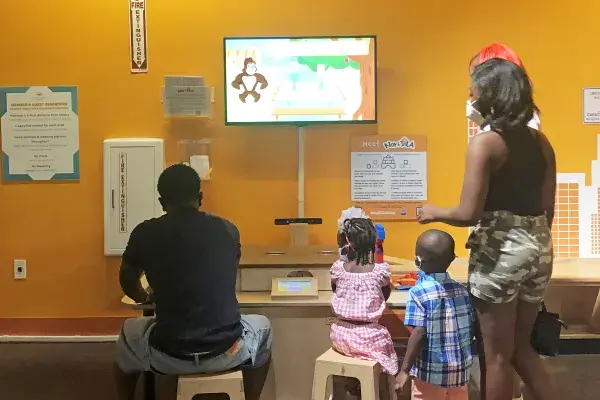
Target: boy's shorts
x,y
511,257
134,353
426,391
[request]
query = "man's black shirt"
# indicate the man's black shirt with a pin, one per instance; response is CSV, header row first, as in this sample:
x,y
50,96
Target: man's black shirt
x,y
190,259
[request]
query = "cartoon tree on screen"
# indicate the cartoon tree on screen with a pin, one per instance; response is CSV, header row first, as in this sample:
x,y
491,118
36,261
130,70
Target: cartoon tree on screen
x,y
367,79
364,63
335,62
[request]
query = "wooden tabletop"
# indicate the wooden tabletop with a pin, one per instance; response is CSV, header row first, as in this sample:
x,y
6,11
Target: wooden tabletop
x,y
263,299
567,272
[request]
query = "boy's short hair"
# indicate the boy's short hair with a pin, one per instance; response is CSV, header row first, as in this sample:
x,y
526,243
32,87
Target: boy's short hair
x,y
435,245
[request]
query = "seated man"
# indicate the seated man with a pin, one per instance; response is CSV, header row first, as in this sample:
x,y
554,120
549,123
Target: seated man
x,y
190,259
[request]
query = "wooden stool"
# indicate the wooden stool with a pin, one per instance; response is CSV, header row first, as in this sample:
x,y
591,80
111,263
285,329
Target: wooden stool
x,y
367,372
230,383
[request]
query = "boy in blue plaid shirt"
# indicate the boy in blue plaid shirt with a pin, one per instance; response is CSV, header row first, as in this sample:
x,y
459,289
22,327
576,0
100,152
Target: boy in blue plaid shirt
x,y
438,309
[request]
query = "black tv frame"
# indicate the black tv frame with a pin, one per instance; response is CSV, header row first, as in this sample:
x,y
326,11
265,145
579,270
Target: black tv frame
x,y
300,123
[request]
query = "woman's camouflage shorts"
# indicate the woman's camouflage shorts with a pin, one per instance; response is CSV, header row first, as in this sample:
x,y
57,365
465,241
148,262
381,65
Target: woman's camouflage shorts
x,y
511,257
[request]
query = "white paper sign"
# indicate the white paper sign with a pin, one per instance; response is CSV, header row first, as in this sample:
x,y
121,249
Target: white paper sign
x,y
184,81
591,106
40,133
138,36
187,101
202,165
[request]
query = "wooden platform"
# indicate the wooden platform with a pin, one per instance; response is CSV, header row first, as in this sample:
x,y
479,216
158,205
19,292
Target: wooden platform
x,y
574,290
579,329
567,272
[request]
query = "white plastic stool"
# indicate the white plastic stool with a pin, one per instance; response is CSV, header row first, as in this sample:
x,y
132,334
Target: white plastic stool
x,y
367,372
230,383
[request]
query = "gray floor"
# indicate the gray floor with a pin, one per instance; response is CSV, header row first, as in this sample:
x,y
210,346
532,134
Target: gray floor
x,y
577,377
63,372
84,372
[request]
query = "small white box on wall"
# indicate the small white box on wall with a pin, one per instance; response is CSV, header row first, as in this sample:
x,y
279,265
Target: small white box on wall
x,y
131,171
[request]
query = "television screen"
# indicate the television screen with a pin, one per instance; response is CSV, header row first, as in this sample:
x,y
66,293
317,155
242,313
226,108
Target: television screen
x,y
300,80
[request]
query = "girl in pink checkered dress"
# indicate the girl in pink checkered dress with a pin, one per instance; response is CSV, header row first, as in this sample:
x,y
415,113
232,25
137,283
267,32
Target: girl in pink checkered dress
x,y
360,290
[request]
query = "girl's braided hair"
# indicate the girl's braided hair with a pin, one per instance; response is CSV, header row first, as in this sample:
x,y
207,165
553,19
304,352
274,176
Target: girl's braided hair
x,y
357,239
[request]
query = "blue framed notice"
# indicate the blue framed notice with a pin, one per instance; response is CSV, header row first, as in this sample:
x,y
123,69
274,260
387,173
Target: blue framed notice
x,y
40,133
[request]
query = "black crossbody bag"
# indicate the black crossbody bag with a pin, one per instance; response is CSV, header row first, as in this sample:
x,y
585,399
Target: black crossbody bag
x,y
545,337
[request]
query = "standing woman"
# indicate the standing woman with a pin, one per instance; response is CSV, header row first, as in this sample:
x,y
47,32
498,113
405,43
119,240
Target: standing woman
x,y
499,50
508,193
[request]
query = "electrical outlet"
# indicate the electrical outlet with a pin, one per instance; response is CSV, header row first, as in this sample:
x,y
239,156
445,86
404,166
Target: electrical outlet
x,y
20,267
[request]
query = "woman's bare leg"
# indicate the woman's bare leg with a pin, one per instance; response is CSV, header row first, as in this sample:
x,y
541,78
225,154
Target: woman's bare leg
x,y
516,386
526,393
526,361
481,357
496,321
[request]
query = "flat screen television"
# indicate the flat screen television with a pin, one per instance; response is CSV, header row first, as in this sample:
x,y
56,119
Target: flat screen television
x,y
300,80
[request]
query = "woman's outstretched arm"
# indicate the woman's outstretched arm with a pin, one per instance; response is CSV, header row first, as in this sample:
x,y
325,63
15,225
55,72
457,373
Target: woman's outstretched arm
x,y
474,189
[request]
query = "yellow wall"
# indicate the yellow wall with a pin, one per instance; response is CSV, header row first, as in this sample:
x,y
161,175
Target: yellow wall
x,y
424,48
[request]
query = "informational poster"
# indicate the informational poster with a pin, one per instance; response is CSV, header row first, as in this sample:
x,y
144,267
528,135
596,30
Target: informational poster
x,y
186,96
389,175
138,36
591,106
40,133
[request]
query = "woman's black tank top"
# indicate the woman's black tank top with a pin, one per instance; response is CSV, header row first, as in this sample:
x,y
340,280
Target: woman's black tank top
x,y
517,185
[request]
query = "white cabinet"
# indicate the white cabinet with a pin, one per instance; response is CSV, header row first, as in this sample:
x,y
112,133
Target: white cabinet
x,y
131,171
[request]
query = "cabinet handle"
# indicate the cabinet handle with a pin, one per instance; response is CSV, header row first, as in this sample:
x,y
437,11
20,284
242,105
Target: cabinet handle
x,y
112,199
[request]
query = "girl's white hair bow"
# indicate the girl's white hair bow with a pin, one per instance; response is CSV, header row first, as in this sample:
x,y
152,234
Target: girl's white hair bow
x,y
350,213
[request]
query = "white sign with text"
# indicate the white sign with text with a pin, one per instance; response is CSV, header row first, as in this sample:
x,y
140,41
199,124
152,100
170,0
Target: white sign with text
x,y
591,105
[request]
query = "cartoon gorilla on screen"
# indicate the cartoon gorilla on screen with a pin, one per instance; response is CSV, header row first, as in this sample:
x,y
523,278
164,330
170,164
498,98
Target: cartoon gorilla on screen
x,y
249,80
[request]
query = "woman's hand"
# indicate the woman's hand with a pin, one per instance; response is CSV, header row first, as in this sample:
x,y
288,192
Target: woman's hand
x,y
426,214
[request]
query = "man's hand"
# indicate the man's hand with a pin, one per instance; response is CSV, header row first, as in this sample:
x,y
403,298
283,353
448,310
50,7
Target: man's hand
x,y
401,380
149,298
129,277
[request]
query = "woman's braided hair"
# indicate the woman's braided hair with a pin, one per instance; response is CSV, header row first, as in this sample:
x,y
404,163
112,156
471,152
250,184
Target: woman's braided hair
x,y
360,235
